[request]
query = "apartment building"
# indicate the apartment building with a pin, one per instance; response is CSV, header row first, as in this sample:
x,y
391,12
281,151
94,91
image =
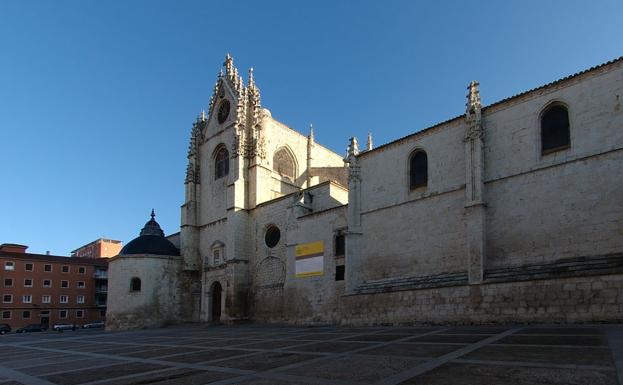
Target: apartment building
x,y
47,289
99,248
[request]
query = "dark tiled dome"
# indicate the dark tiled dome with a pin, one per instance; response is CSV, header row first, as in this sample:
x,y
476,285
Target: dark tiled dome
x,y
150,241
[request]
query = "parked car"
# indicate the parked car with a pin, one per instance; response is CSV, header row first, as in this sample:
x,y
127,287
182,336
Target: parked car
x,y
5,328
58,327
94,324
32,328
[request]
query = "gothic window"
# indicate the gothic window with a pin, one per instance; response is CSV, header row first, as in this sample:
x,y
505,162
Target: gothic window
x,y
283,163
418,169
554,129
221,163
135,284
340,244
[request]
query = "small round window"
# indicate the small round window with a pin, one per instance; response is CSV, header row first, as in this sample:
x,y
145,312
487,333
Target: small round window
x,y
272,236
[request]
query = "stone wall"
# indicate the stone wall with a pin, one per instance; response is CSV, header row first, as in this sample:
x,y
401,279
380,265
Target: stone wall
x,y
160,300
585,299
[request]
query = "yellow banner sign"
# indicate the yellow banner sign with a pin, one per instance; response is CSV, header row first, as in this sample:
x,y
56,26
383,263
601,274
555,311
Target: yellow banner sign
x,y
309,259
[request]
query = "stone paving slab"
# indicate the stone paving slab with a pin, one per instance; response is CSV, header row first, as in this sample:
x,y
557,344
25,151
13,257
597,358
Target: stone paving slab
x,y
562,330
265,361
160,352
153,377
31,361
62,367
277,344
329,347
555,340
543,354
203,356
100,373
450,338
466,374
367,369
376,337
414,350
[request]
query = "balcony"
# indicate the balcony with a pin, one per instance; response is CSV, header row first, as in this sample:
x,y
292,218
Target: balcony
x,y
101,289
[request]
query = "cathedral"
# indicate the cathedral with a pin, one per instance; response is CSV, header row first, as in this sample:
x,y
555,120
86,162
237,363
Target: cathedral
x,y
511,212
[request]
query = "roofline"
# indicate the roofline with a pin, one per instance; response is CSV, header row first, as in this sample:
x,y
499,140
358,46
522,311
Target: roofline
x,y
503,101
98,239
301,134
299,191
55,258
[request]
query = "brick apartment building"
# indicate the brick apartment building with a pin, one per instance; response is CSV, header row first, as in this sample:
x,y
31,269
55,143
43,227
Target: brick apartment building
x,y
99,248
49,289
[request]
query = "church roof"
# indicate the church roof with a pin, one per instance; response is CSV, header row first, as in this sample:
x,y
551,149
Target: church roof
x,y
150,241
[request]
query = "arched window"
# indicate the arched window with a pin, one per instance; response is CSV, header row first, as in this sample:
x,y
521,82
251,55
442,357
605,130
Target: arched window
x,y
283,163
418,169
555,129
221,163
135,284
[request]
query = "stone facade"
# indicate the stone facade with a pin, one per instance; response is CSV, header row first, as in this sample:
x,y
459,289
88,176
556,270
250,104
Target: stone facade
x,y
157,302
491,227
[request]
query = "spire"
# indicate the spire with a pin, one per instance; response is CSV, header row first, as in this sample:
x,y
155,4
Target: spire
x,y
228,64
203,117
311,132
473,116
353,147
153,214
369,144
251,80
473,97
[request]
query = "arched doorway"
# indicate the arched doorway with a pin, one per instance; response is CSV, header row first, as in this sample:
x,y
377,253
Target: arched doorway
x,y
217,292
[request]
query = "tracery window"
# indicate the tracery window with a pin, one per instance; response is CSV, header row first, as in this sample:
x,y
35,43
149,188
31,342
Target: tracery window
x,y
283,163
221,163
418,169
555,129
272,236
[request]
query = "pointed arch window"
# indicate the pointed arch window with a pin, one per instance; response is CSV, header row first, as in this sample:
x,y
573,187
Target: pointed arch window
x,y
418,169
221,163
555,129
283,163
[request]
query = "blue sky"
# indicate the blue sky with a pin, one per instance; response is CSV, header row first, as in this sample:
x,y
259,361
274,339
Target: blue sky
x,y
97,97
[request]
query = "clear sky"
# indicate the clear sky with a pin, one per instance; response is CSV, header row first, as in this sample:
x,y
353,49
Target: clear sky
x,y
97,98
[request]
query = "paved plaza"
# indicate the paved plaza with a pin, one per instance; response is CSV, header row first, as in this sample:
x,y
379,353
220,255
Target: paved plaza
x,y
280,355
